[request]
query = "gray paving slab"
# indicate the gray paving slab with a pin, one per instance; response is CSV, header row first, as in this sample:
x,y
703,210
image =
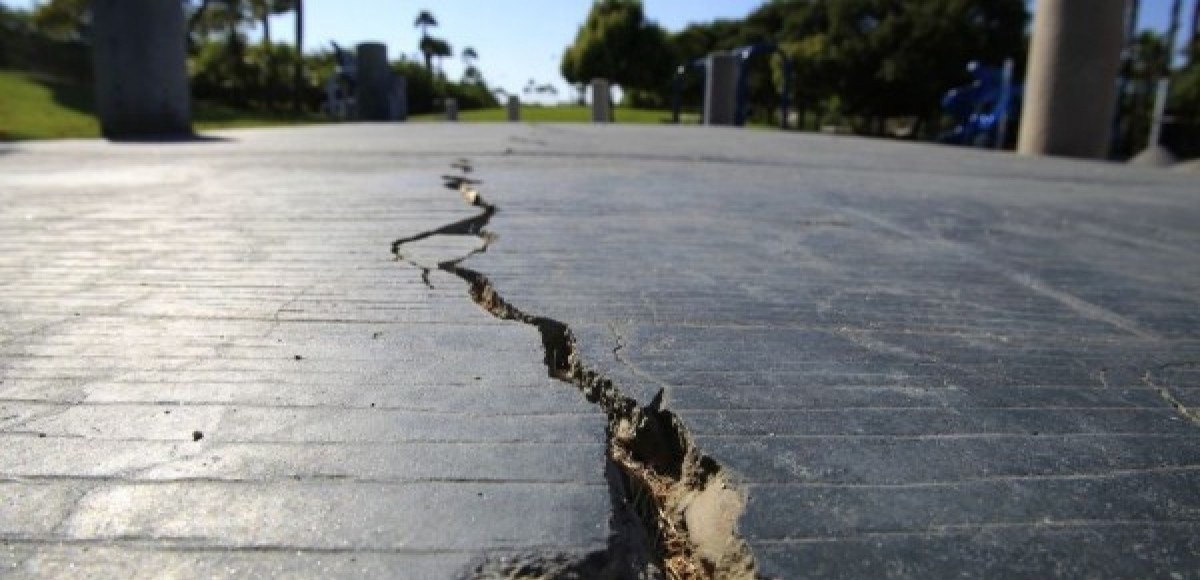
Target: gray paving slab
x,y
914,361
922,362
207,369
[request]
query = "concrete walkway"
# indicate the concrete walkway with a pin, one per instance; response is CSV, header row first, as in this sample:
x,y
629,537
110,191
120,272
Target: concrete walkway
x,y
909,361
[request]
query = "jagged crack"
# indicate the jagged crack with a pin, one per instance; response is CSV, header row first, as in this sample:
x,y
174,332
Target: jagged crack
x,y
686,502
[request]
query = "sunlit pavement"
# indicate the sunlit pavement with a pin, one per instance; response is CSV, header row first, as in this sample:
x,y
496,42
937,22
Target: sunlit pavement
x,y
913,361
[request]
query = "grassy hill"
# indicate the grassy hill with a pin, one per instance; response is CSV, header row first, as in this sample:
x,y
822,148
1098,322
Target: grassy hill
x,y
33,106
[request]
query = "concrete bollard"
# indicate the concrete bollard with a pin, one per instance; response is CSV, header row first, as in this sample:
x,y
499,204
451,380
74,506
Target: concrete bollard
x,y
451,109
720,89
374,82
140,63
1070,88
399,98
514,109
601,101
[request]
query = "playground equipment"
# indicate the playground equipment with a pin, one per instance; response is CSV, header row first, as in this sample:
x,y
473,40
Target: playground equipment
x,y
984,109
341,86
743,55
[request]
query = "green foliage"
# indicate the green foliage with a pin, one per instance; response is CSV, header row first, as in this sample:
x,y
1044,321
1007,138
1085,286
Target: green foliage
x,y
63,19
425,90
242,77
616,42
1185,93
879,58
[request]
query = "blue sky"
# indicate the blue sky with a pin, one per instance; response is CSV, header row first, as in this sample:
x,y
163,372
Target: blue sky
x,y
519,39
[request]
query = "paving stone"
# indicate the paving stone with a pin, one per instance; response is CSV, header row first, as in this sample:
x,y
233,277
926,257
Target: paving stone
x,y
917,361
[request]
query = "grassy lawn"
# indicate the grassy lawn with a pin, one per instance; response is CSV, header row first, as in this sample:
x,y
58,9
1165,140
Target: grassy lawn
x,y
38,107
555,114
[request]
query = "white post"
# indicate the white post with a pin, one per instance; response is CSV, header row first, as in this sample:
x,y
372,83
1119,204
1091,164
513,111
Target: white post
x,y
451,109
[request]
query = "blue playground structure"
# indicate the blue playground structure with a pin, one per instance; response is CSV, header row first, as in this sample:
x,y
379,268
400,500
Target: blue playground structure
x,y
744,54
984,109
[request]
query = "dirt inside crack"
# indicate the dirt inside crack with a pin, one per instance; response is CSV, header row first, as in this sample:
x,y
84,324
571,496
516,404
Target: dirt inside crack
x,y
686,503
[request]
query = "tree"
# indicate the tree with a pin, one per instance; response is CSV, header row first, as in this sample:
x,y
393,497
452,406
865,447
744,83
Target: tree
x,y
471,73
432,48
263,11
298,71
616,42
425,21
64,19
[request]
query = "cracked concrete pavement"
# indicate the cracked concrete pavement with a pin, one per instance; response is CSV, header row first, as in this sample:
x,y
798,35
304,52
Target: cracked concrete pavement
x,y
915,362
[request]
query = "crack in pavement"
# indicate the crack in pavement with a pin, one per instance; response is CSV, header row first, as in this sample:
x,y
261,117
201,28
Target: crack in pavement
x,y
687,504
1164,392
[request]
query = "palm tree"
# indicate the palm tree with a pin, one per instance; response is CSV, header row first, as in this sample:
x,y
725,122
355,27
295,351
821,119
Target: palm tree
x,y
1172,32
469,56
441,50
425,21
263,11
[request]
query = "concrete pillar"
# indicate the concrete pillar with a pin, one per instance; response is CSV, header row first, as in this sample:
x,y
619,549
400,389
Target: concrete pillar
x,y
514,109
451,109
1070,88
374,82
140,62
399,98
601,101
720,89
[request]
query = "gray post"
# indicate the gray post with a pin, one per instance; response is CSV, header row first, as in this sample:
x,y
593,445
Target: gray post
x,y
140,63
451,109
514,109
720,89
374,82
1070,88
601,101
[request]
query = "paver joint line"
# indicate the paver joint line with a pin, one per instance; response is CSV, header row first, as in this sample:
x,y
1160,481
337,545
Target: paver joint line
x,y
685,500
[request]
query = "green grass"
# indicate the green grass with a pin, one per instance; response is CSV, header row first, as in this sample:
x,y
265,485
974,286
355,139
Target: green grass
x,y
34,107
38,107
554,114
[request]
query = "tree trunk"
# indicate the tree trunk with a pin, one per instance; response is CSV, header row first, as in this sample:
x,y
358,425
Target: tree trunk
x,y
1194,55
269,93
298,73
1172,32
